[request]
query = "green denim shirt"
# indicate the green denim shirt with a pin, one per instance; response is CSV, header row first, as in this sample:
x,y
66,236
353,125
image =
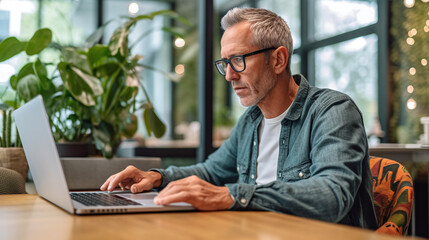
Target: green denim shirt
x,y
323,167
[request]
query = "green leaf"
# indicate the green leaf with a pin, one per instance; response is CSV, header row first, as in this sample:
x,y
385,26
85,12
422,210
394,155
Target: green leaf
x,y
40,40
119,40
176,31
104,139
131,125
40,71
24,71
10,47
99,55
85,88
74,57
28,87
153,123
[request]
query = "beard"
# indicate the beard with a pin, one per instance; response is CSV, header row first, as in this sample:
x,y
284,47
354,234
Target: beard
x,y
256,92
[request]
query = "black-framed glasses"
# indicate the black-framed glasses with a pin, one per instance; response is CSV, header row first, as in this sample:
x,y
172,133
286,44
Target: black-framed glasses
x,y
238,63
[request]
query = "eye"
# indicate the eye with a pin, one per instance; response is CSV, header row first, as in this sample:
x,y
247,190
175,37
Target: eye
x,y
238,61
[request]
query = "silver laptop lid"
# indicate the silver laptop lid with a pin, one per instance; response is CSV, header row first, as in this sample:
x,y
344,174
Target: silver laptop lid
x,y
41,152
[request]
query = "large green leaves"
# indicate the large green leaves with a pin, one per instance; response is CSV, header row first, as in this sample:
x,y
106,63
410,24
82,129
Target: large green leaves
x,y
40,40
153,123
28,87
119,40
105,138
10,47
84,87
74,57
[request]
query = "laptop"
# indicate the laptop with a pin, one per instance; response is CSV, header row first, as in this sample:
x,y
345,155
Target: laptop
x,y
48,176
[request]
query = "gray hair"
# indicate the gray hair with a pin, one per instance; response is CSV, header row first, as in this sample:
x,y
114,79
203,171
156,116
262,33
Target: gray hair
x,y
268,28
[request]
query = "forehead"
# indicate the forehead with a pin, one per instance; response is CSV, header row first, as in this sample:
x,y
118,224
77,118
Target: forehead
x,y
237,40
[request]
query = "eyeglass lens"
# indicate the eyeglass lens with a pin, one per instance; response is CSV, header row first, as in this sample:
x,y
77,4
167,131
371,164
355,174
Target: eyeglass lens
x,y
237,64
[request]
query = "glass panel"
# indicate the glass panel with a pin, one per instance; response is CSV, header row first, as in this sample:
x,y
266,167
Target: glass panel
x,y
409,55
351,67
148,40
185,105
70,21
290,12
332,17
295,66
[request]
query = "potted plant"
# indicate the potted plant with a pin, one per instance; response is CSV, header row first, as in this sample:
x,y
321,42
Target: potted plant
x,y
91,95
12,155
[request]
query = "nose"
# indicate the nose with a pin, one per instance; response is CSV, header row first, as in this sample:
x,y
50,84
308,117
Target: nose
x,y
230,74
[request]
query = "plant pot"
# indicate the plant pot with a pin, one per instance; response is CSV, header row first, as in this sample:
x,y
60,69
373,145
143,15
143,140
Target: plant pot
x,y
14,158
76,149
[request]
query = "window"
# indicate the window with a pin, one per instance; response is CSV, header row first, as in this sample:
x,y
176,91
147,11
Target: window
x,y
350,67
338,48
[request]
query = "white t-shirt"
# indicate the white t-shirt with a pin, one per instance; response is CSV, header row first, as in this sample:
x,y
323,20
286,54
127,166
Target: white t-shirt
x,y
268,152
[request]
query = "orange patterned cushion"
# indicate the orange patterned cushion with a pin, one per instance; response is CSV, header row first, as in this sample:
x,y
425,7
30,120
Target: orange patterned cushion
x,y
393,195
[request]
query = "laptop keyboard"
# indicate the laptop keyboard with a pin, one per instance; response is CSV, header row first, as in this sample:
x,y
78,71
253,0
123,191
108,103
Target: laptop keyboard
x,y
101,199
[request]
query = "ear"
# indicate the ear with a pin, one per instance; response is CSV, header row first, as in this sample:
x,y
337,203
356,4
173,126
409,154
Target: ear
x,y
280,58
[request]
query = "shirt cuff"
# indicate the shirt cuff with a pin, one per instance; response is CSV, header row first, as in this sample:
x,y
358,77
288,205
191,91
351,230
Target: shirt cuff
x,y
242,194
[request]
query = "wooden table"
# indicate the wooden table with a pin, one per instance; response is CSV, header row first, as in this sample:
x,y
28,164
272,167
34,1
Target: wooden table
x,y
28,216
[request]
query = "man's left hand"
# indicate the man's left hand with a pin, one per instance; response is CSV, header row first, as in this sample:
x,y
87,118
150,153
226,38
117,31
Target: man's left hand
x,y
201,194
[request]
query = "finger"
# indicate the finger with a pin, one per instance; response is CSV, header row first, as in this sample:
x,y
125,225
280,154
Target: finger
x,y
116,179
181,196
144,184
105,184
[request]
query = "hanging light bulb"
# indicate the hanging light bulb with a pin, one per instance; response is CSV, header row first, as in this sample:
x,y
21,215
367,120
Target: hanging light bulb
x,y
412,71
410,89
179,42
410,41
411,104
424,62
133,8
180,69
409,3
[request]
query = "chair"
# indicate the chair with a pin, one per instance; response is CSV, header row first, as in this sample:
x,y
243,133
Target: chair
x,y
392,195
11,182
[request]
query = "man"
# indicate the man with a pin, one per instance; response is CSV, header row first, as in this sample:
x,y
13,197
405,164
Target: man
x,y
297,149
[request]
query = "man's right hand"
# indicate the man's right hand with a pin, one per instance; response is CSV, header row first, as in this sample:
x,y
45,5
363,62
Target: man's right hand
x,y
133,179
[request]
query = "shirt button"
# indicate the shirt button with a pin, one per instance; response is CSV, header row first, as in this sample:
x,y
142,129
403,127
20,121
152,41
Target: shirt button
x,y
280,174
254,143
300,174
243,201
283,142
238,169
253,176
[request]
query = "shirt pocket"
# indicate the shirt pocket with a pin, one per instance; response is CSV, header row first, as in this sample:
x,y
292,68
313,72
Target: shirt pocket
x,y
296,173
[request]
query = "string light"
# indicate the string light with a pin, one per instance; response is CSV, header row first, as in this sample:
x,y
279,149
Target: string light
x,y
180,42
412,71
410,89
425,1
424,62
410,41
411,104
133,8
427,22
426,28
179,69
409,3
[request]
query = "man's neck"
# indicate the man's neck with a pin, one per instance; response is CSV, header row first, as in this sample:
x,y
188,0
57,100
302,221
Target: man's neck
x,y
280,98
